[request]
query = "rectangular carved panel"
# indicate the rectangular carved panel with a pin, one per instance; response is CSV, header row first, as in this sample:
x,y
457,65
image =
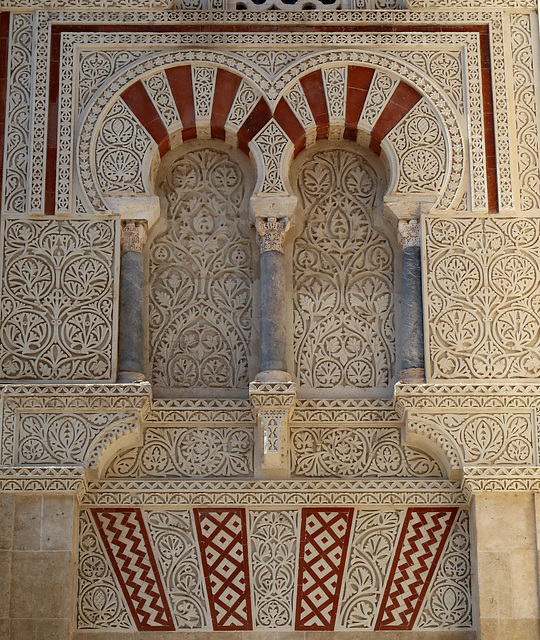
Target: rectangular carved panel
x,y
58,313
482,298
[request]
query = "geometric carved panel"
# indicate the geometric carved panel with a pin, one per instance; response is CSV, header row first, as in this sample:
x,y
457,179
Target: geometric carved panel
x,y
201,275
323,549
58,315
343,279
421,543
222,535
483,298
125,537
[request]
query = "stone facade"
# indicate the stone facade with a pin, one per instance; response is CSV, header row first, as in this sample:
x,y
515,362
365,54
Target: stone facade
x,y
269,320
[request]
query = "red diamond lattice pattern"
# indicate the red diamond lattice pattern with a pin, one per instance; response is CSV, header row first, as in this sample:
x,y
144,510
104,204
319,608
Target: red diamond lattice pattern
x,y
323,545
223,543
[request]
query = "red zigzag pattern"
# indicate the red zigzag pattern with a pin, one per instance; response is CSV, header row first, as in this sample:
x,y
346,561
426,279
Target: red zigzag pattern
x,y
125,538
421,543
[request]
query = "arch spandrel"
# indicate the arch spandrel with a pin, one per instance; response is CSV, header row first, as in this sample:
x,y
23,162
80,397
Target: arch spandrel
x,y
344,95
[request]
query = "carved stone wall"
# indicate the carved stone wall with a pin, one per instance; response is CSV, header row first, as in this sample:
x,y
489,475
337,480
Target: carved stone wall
x,y
201,278
343,279
263,569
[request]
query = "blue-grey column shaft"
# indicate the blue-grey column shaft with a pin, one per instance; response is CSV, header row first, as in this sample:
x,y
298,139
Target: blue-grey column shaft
x,y
131,333
272,263
412,322
273,334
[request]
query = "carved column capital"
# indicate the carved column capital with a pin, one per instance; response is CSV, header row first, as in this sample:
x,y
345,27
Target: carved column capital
x,y
271,233
409,233
133,235
272,403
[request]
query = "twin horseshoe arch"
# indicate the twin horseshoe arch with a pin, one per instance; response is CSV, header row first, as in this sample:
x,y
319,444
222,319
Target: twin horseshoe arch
x,y
375,99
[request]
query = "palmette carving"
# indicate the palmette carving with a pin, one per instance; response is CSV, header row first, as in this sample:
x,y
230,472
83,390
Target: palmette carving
x,y
526,111
343,279
273,539
172,452
201,272
356,452
419,144
372,546
272,141
483,296
174,541
58,316
449,601
18,114
120,149
100,603
483,438
61,439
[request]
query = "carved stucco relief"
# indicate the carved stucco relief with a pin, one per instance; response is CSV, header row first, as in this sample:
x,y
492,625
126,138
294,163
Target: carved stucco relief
x,y
58,315
343,296
201,277
482,298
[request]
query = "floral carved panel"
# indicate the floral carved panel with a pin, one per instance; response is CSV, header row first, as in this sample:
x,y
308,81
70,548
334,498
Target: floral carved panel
x,y
179,452
201,278
343,279
483,298
58,315
355,452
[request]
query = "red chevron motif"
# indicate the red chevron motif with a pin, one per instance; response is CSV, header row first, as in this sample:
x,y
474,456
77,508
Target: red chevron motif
x,y
323,545
421,543
223,543
126,540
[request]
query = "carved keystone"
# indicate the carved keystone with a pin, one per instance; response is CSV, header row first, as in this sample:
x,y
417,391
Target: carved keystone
x,y
272,403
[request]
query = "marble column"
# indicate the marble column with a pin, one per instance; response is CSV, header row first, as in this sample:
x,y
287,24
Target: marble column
x,y
271,233
131,332
412,322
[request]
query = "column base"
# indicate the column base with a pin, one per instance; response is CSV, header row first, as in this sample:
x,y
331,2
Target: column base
x,y
273,375
414,375
131,376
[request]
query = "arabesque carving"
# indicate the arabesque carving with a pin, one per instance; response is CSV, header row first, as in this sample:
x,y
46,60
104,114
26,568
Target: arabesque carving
x,y
174,540
343,279
356,452
526,110
483,293
58,316
372,546
201,273
273,537
187,452
100,602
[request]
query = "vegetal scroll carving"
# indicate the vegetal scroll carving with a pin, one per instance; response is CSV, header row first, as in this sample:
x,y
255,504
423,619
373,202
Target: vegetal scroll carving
x,y
356,452
372,547
449,601
343,279
58,315
201,273
100,604
172,452
274,542
483,293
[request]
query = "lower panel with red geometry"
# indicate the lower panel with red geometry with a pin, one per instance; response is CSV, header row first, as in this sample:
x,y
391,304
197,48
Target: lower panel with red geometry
x,y
421,543
222,537
125,538
323,548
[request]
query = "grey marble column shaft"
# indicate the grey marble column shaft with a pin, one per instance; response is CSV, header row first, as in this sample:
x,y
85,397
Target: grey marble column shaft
x,y
412,323
273,334
131,332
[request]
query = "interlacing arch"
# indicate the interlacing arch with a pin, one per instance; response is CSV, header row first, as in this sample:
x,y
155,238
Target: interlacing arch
x,y
412,125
